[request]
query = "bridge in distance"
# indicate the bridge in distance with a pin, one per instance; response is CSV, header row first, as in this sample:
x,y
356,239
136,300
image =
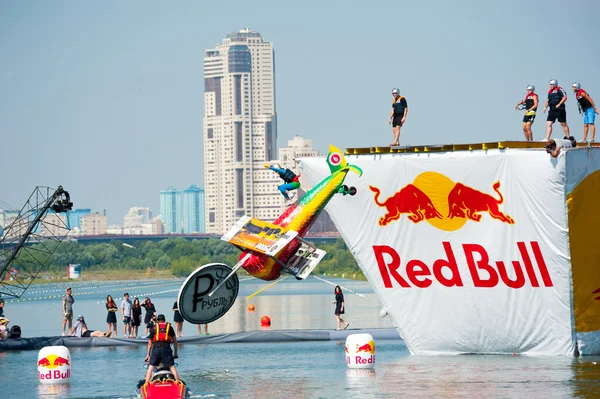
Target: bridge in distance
x,y
133,239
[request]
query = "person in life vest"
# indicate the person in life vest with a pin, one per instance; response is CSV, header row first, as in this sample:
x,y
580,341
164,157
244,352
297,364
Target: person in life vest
x,y
159,347
531,104
398,115
556,101
292,182
588,109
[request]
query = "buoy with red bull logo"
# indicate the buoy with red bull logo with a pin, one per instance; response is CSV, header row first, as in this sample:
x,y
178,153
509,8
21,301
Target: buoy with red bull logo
x,y
54,365
360,351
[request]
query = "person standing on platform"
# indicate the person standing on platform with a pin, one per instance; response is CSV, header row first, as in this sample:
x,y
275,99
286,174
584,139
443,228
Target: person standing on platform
x,y
67,308
205,329
398,115
178,320
339,308
111,317
126,315
150,312
136,317
531,104
556,101
2,308
588,109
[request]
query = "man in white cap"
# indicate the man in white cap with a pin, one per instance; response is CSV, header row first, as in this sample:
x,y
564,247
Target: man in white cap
x,y
556,101
398,115
588,109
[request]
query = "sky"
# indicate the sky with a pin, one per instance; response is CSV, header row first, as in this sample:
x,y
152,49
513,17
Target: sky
x,y
106,98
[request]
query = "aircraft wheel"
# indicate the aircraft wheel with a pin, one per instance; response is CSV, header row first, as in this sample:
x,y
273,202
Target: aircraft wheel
x,y
352,191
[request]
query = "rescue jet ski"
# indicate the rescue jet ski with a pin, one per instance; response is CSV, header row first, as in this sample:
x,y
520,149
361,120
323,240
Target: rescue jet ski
x,y
162,385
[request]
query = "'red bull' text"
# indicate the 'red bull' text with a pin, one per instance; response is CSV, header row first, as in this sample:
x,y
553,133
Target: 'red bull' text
x,y
483,272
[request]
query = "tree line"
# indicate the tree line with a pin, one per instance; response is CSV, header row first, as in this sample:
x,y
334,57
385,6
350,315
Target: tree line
x,y
179,255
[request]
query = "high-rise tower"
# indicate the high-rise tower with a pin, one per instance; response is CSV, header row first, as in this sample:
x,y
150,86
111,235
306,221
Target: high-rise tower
x,y
240,128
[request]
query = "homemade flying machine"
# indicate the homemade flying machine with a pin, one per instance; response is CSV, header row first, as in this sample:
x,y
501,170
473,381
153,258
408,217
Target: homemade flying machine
x,y
267,248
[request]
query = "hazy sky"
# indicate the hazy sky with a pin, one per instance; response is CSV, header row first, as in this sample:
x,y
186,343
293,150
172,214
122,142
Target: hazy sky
x,y
106,97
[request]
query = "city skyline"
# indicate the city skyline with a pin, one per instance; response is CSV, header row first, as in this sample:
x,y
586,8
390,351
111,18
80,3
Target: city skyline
x,y
115,114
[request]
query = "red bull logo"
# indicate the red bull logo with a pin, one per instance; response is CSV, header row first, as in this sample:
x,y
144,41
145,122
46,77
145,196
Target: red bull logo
x,y
52,362
483,272
369,347
362,354
444,204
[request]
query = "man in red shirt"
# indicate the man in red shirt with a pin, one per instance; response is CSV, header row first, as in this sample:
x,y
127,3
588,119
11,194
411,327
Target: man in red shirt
x,y
531,104
588,109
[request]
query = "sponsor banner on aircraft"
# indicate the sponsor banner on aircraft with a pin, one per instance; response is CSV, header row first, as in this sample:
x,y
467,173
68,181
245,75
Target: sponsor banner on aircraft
x,y
467,251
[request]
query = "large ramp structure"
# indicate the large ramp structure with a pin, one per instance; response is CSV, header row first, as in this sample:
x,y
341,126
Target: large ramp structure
x,y
29,241
478,248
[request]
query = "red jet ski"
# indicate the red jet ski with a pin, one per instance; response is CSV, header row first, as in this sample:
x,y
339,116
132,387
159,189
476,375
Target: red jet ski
x,y
162,385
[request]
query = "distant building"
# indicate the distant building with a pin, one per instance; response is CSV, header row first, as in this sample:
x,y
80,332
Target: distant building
x,y
268,203
193,210
137,216
93,224
240,127
74,217
53,225
7,216
298,147
170,210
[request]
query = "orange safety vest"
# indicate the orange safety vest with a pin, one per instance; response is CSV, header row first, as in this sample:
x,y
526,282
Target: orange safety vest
x,y
162,333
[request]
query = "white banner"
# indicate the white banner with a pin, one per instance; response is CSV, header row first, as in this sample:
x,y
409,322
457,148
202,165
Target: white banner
x,y
467,251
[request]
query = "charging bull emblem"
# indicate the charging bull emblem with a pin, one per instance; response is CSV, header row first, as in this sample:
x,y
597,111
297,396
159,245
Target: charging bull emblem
x,y
410,200
464,201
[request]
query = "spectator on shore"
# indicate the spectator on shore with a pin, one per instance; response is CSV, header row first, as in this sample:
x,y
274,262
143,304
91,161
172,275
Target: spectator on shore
x,y
205,329
339,307
67,308
136,317
111,317
80,330
150,312
4,328
126,314
178,320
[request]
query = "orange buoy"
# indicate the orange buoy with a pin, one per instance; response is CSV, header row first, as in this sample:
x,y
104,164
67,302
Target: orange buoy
x,y
265,321
251,307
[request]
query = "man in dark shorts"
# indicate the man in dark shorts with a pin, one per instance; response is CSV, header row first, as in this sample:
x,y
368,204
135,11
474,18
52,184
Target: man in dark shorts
x,y
398,115
67,307
556,101
126,306
159,347
531,104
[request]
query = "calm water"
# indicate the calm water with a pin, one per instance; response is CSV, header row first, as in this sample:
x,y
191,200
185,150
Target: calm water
x,y
281,370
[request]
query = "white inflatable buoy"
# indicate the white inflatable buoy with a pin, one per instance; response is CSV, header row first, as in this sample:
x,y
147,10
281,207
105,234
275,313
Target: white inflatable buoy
x,y
54,365
360,351
383,312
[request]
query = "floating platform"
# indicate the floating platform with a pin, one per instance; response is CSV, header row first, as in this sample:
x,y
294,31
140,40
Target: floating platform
x,y
477,248
37,343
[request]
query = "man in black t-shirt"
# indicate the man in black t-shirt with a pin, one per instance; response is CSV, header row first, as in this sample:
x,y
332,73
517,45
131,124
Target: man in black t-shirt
x,y
159,347
556,102
398,115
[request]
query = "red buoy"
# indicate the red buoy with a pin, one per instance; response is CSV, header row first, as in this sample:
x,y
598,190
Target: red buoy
x,y
251,308
265,321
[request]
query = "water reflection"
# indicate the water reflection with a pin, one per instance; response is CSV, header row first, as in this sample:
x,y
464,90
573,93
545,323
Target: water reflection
x,y
57,390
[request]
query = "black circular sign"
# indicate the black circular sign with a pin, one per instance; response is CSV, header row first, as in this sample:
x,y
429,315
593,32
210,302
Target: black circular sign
x,y
194,303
